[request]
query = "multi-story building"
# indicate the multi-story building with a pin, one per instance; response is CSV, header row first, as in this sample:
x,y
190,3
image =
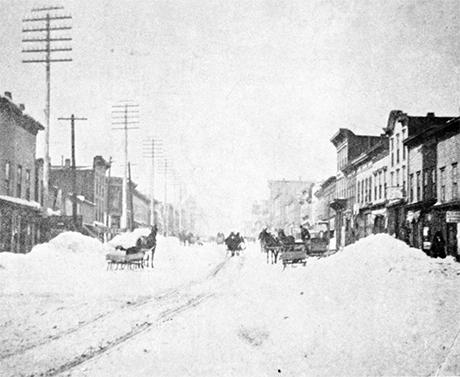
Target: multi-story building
x,y
20,215
369,210
399,128
285,204
138,211
349,146
90,192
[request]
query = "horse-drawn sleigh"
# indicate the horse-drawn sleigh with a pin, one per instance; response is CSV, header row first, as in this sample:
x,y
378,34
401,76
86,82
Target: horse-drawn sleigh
x,y
290,251
133,250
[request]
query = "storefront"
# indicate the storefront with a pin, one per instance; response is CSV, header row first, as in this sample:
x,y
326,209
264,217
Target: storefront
x,y
19,224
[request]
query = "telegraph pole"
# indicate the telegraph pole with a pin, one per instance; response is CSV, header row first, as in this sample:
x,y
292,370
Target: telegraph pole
x,y
123,115
74,168
152,150
43,46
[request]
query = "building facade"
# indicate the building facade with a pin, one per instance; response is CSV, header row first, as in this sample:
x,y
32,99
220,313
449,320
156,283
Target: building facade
x,y
20,214
349,146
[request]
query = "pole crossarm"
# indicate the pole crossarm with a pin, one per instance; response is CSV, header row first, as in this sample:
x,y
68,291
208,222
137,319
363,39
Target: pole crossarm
x,y
51,18
51,49
43,9
46,40
47,29
47,61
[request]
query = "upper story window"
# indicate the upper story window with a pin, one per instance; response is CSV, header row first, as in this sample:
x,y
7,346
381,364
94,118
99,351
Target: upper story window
x,y
397,148
19,181
411,188
434,193
419,193
397,177
442,184
27,184
403,147
392,151
8,178
454,181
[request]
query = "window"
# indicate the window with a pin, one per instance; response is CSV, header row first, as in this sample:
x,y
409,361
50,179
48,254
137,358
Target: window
x,y
454,181
8,178
385,184
411,183
419,196
380,185
359,192
19,181
392,152
403,179
376,193
442,179
28,184
397,177
370,189
426,179
404,147
392,179
397,148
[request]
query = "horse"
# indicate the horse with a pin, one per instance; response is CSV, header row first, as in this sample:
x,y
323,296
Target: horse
x,y
270,245
147,245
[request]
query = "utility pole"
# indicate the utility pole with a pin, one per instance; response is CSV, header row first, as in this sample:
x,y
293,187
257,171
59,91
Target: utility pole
x,y
74,168
43,46
152,150
165,169
123,115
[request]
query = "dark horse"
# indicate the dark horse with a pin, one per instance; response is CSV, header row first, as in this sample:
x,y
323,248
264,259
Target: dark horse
x,y
270,245
148,244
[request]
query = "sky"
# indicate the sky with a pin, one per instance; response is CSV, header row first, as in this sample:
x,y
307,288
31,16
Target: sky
x,y
239,92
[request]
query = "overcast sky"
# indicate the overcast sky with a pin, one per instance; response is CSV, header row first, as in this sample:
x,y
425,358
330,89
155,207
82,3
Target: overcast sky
x,y
239,91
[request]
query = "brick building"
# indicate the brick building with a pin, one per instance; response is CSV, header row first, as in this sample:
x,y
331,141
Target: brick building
x,y
20,215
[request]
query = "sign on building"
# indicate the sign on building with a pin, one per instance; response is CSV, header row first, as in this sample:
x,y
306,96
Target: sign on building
x,y
453,217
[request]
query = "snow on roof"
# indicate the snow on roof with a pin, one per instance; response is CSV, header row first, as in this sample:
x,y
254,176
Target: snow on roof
x,y
20,201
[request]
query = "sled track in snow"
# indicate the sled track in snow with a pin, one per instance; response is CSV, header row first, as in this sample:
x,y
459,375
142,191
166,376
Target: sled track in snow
x,y
193,301
163,317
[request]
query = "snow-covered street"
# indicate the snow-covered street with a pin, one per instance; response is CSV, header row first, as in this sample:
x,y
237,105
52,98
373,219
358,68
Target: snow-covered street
x,y
377,308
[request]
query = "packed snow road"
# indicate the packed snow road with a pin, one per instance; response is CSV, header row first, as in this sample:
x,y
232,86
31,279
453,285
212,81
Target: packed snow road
x,y
377,308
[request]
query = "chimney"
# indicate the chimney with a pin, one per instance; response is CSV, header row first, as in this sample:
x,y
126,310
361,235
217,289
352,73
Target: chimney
x,y
9,95
430,115
22,107
67,163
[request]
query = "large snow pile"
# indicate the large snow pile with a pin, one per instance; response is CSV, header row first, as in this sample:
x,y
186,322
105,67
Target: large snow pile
x,y
378,307
74,263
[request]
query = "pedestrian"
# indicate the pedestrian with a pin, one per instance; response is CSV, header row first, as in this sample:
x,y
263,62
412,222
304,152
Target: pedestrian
x,y
304,234
438,246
